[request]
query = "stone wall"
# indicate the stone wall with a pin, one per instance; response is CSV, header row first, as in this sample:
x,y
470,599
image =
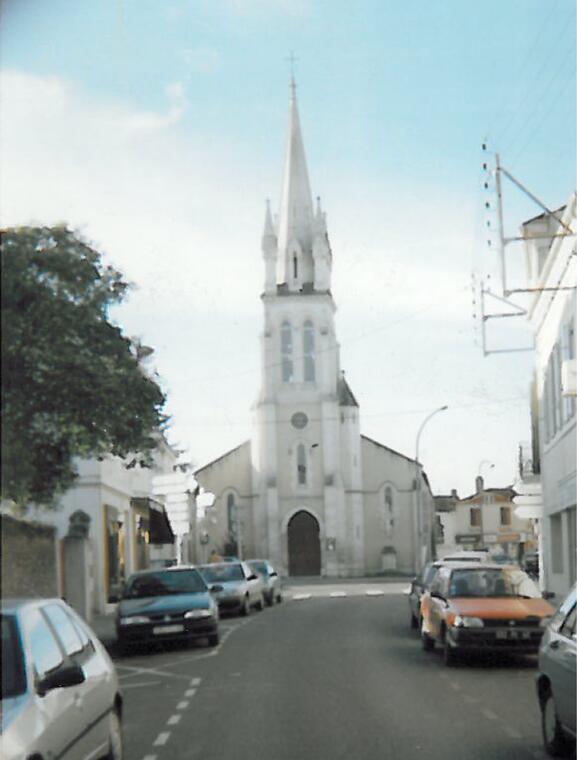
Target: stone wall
x,y
29,563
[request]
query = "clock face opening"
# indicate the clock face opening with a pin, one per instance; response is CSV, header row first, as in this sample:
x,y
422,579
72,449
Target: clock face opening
x,y
299,420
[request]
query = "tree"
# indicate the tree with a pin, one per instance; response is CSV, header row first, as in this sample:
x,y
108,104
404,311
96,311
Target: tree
x,y
71,381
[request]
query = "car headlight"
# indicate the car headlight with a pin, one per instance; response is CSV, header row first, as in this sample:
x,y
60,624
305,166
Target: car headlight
x,y
198,614
545,621
134,620
464,621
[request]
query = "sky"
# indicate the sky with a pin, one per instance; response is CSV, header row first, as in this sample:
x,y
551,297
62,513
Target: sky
x,y
157,128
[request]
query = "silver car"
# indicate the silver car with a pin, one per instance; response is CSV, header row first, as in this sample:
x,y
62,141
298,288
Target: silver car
x,y
556,679
60,694
270,579
236,587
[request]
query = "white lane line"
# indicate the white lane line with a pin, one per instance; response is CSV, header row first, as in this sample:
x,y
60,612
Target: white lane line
x,y
161,739
149,757
300,597
374,592
514,734
335,594
183,705
454,686
190,692
147,671
489,714
195,681
173,720
138,685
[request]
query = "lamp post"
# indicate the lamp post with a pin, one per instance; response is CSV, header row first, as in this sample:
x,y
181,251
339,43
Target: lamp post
x,y
418,522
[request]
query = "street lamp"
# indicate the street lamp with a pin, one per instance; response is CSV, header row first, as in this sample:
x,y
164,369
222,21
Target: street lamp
x,y
418,546
482,463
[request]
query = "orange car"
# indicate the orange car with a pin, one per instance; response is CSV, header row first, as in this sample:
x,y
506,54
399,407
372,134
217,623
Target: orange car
x,y
483,608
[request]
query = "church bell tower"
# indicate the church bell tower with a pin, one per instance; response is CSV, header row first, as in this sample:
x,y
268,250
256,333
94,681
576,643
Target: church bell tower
x,y
306,457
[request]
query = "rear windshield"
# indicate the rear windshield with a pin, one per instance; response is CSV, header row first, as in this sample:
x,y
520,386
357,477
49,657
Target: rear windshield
x,y
163,583
492,582
13,673
222,573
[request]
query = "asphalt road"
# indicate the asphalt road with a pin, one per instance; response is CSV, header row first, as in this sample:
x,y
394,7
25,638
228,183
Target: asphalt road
x,y
324,677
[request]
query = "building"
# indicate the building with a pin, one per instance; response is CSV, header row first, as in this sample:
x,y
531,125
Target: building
x,y
485,520
308,490
551,264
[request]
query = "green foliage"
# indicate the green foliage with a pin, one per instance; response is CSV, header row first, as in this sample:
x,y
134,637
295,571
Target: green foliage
x,y
71,384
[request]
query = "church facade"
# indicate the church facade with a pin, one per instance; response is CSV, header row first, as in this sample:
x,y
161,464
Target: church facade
x,y
308,491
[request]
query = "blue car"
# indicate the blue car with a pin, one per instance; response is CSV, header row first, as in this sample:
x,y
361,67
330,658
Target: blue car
x,y
169,604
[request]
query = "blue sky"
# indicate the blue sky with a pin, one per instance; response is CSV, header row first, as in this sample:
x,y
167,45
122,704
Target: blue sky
x,y
158,129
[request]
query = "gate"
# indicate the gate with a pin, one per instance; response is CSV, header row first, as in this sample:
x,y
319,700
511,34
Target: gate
x,y
304,546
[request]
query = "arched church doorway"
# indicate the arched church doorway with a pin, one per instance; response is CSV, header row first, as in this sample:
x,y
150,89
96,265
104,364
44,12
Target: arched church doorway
x,y
304,545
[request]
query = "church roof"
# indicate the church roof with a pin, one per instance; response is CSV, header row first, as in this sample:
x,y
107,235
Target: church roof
x,y
222,456
296,208
387,448
346,397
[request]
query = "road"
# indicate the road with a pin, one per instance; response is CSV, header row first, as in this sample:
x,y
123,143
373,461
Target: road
x,y
333,673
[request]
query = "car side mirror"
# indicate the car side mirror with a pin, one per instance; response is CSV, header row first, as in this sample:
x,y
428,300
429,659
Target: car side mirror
x,y
214,589
252,577
61,678
436,595
548,595
274,574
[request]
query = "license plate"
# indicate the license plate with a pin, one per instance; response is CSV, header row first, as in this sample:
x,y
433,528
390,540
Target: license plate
x,y
513,635
168,629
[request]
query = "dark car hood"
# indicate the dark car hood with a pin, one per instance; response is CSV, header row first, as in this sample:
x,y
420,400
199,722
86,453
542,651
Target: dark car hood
x,y
172,603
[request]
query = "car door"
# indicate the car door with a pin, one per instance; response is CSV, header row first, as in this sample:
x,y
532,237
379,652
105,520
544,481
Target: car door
x,y
562,657
438,602
58,725
94,694
253,583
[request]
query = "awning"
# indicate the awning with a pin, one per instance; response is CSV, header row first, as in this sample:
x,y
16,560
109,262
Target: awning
x,y
160,530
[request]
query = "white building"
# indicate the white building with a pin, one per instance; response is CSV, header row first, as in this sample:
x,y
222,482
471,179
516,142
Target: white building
x,y
309,491
552,274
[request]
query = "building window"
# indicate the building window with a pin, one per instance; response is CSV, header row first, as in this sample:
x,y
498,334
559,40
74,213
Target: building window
x,y
301,465
231,515
505,516
286,340
569,402
556,543
308,351
389,516
475,517
295,267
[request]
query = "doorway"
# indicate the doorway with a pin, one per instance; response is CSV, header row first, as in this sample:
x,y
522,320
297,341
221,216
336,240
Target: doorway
x,y
304,545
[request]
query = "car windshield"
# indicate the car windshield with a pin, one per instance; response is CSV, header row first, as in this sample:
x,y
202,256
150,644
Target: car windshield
x,y
163,583
13,674
495,582
222,573
260,567
429,574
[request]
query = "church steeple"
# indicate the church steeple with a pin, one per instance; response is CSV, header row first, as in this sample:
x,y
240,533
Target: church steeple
x,y
296,209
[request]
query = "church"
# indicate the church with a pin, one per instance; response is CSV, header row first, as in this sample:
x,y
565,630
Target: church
x,y
308,491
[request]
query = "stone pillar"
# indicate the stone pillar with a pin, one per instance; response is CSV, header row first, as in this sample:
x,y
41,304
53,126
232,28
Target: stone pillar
x,y
78,565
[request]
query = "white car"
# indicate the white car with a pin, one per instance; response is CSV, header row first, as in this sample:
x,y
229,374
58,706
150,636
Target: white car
x,y
272,589
60,694
236,587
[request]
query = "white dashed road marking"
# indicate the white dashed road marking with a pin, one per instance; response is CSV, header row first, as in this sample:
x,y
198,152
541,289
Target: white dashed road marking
x,y
374,592
512,732
335,594
300,597
190,692
183,705
471,700
138,685
161,739
195,681
489,714
173,720
149,757
455,686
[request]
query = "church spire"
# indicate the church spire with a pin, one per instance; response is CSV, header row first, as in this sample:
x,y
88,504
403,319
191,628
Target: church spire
x,y
296,208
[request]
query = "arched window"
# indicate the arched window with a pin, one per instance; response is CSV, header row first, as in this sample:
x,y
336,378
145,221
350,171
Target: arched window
x,y
231,515
309,351
286,340
301,465
389,516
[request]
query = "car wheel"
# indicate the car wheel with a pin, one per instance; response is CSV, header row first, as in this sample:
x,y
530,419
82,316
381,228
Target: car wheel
x,y
270,599
213,640
244,610
449,653
115,745
427,641
554,739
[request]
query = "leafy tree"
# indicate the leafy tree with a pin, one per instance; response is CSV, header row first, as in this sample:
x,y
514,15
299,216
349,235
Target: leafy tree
x,y
71,381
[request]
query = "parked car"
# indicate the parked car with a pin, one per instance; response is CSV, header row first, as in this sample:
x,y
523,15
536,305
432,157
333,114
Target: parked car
x,y
160,605
556,679
240,588
418,586
60,694
483,607
270,579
